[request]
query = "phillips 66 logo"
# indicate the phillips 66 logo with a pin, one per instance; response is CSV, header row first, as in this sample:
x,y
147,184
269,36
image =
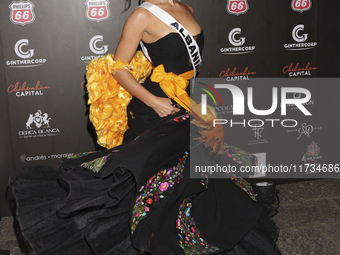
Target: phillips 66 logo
x,y
237,7
301,5
97,10
21,12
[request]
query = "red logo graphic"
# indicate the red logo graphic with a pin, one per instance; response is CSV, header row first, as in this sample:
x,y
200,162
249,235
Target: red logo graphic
x,y
237,7
233,73
25,90
297,68
301,5
22,12
97,10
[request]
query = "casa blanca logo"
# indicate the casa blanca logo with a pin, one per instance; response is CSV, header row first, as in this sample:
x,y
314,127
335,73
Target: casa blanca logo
x,y
235,39
239,106
38,125
38,119
237,7
97,10
301,5
22,12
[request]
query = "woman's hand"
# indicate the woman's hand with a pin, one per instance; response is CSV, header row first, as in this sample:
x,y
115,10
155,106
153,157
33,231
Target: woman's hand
x,y
162,106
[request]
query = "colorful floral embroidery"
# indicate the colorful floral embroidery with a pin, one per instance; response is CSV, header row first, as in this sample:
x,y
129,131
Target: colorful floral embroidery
x,y
238,155
190,239
243,158
79,155
181,118
154,191
96,164
244,185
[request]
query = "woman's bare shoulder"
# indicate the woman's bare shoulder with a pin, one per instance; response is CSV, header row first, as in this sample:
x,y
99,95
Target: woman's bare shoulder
x,y
139,15
190,8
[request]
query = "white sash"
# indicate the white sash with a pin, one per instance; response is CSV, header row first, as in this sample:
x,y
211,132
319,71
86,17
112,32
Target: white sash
x,y
189,41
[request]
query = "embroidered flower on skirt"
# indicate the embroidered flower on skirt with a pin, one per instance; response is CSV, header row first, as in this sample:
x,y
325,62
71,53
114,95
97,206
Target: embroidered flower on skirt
x,y
96,164
155,189
239,156
244,185
181,118
190,239
79,155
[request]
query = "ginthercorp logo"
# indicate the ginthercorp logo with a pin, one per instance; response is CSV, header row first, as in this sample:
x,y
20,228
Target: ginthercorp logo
x,y
97,10
238,107
18,48
22,12
97,47
301,5
296,70
237,40
300,38
38,125
237,7
23,50
298,35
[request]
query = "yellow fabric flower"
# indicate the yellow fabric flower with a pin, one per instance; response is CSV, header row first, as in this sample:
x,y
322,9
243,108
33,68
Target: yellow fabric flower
x,y
108,100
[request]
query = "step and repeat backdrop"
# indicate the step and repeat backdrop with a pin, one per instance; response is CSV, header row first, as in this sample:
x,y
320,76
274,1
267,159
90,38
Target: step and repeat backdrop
x,y
46,45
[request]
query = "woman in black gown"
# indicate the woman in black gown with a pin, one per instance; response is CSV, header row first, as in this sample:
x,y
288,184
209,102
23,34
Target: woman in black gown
x,y
140,198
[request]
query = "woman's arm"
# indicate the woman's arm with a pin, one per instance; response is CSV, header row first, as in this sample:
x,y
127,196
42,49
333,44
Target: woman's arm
x,y
133,31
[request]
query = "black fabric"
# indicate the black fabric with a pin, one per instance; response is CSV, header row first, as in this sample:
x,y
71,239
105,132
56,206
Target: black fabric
x,y
83,208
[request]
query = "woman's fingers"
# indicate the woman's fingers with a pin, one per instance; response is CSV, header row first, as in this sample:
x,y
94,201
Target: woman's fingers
x,y
163,107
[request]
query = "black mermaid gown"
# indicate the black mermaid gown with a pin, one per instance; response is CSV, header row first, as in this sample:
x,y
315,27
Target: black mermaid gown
x,y
138,197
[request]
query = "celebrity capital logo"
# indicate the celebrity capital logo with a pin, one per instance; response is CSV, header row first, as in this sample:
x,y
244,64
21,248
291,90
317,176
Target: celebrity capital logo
x,y
22,12
97,10
237,7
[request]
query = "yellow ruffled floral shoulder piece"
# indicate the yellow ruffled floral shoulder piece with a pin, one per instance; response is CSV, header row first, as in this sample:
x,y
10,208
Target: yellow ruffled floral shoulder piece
x,y
108,99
